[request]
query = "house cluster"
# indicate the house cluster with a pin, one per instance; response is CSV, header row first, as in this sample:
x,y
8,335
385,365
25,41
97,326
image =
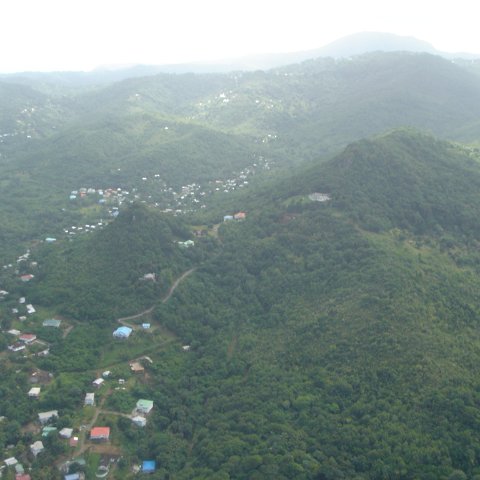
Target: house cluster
x,y
23,309
154,191
24,257
22,340
86,228
46,419
116,195
12,463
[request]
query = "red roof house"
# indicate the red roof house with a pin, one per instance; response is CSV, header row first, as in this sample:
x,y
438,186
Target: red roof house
x,y
240,216
27,337
100,433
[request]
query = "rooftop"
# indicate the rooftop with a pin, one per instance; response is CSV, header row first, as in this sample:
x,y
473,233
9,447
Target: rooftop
x,y
100,432
51,322
122,332
148,466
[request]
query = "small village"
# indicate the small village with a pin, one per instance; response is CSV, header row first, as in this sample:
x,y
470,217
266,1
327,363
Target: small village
x,y
154,192
87,433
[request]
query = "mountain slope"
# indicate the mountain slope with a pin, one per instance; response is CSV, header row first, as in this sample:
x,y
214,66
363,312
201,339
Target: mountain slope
x,y
320,348
357,351
102,277
404,179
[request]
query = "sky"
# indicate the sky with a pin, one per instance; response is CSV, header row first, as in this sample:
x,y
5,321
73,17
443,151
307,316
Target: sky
x,y
53,35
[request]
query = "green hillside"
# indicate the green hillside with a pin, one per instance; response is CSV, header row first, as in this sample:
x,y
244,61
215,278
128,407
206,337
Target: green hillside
x,y
322,104
332,334
322,344
403,179
101,277
196,128
330,352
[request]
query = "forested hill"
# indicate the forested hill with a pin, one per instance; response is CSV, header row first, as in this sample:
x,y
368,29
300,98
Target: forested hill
x,y
98,278
317,105
357,351
320,347
403,179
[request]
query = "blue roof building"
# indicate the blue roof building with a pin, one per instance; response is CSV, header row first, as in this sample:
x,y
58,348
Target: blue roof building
x,y
148,466
122,332
72,476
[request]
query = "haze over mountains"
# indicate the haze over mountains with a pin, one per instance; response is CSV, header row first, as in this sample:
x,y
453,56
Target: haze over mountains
x,y
348,46
295,249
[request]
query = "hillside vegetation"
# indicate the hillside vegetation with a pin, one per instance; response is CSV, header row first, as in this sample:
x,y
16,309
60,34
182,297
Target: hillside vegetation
x,y
328,340
59,132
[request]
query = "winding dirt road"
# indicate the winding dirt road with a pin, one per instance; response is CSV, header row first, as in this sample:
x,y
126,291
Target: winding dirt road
x,y
165,299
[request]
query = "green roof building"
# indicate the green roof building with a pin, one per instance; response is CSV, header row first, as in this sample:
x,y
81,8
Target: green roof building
x,y
144,406
52,322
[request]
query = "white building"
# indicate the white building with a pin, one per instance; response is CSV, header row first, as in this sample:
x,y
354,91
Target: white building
x,y
139,421
36,448
66,432
34,392
90,399
98,382
46,417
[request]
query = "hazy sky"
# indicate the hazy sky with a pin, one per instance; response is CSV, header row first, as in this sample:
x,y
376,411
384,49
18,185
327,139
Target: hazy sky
x,y
82,34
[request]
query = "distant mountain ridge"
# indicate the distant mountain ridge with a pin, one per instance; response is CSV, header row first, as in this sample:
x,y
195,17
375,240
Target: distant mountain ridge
x,y
347,46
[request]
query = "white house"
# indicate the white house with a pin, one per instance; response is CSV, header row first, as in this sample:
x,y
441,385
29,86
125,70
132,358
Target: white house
x,y
90,399
16,347
139,421
45,417
66,432
36,448
98,382
34,392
